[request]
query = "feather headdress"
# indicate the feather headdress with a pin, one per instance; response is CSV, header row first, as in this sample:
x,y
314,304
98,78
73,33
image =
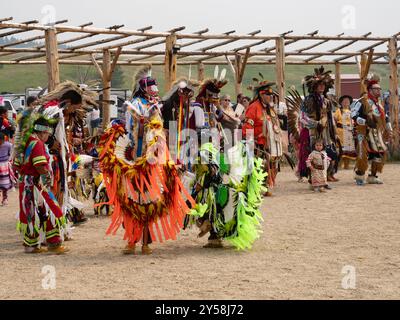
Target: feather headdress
x,y
261,85
319,76
142,74
182,83
88,97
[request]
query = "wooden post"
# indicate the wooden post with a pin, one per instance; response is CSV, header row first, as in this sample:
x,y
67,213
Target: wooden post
x,y
170,61
200,72
338,81
280,67
106,73
107,87
394,94
53,70
238,68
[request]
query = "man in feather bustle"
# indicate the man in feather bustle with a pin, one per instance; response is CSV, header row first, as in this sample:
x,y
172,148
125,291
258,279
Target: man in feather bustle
x,y
317,119
142,181
69,103
64,108
40,215
372,128
262,118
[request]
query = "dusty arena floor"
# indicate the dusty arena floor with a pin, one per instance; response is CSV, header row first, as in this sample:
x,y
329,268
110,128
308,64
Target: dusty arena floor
x,y
314,246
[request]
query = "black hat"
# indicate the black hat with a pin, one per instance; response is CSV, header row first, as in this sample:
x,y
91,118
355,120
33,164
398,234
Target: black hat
x,y
344,97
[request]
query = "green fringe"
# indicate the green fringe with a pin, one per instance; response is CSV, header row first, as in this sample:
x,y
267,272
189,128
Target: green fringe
x,y
248,215
199,210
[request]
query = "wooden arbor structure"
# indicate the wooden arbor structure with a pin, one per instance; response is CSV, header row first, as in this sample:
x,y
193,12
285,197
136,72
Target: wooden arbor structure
x,y
105,48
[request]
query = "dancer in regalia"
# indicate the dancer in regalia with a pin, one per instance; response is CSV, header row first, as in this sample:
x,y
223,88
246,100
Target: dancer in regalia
x,y
141,179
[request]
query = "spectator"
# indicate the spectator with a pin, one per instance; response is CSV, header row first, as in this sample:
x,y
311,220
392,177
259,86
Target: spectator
x,y
95,120
5,168
5,126
245,103
30,101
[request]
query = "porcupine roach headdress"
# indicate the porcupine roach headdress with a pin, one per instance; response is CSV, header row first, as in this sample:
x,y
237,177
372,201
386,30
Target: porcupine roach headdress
x,y
210,88
141,80
25,130
373,79
319,76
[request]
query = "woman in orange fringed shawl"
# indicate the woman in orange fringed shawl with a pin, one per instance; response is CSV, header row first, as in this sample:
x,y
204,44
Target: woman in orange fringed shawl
x,y
142,181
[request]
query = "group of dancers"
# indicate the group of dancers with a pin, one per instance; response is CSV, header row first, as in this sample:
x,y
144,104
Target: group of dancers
x,y
186,159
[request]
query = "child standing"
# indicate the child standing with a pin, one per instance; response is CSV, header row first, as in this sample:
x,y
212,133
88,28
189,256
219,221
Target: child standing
x,y
5,174
318,162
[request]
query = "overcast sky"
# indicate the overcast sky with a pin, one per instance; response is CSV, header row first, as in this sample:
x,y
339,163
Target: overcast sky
x,y
354,17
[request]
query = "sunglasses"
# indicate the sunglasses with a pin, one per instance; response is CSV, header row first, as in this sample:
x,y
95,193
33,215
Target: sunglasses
x,y
227,100
268,91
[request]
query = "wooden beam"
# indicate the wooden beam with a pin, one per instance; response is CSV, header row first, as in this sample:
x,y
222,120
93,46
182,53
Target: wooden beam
x,y
53,70
244,63
317,44
142,58
22,41
114,62
183,63
97,66
184,53
95,43
148,45
200,71
348,43
280,67
365,49
170,61
5,19
338,81
394,94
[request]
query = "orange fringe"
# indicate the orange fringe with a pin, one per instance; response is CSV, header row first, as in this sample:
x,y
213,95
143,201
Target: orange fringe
x,y
166,209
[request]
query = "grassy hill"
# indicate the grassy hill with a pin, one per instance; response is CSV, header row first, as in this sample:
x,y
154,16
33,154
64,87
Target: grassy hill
x,y
16,78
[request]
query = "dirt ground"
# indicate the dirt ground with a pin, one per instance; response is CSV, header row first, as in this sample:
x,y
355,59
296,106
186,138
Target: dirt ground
x,y
308,241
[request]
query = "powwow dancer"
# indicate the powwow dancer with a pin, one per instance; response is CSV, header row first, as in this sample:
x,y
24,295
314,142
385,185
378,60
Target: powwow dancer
x,y
228,182
176,114
229,196
66,98
298,136
40,214
69,104
317,118
344,124
141,179
372,127
318,162
261,117
204,119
